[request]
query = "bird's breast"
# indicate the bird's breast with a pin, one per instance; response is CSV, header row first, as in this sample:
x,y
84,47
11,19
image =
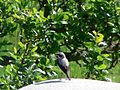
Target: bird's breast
x,y
64,62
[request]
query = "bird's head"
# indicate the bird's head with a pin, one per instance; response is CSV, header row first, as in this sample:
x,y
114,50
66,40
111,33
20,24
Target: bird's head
x,y
60,55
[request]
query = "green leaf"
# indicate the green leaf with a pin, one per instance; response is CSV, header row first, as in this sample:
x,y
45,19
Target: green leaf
x,y
19,1
59,17
16,16
100,0
21,45
109,59
13,55
66,17
93,0
99,58
117,8
2,71
35,10
99,37
9,69
42,18
64,22
34,49
1,58
105,55
39,70
15,50
90,45
35,54
97,49
64,49
111,24
103,66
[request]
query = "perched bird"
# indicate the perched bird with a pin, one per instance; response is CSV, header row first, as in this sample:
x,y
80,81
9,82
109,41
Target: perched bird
x,y
63,63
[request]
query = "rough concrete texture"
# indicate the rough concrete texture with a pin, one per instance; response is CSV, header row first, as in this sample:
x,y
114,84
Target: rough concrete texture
x,y
74,84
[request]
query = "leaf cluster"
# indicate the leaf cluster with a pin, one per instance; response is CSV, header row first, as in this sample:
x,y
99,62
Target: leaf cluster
x,y
31,31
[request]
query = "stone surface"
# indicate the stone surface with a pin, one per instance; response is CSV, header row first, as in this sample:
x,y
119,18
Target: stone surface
x,y
74,84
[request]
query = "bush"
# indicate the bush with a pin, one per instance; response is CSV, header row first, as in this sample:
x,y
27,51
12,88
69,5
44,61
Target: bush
x,y
31,31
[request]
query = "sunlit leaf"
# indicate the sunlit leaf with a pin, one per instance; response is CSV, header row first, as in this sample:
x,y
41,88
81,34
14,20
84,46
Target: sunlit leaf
x,y
9,69
105,55
117,8
35,10
42,18
13,55
95,33
16,16
93,0
35,55
100,58
67,15
64,22
99,37
103,66
21,45
15,50
110,23
109,59
39,70
1,58
102,43
34,49
19,1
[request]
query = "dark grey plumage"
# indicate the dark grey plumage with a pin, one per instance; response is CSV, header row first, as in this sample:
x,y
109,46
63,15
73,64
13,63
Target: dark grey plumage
x,y
63,64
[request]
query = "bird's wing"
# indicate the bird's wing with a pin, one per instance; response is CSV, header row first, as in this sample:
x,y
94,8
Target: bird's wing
x,y
65,69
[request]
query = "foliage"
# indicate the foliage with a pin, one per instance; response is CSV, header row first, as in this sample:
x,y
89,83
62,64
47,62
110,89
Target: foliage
x,y
114,73
32,30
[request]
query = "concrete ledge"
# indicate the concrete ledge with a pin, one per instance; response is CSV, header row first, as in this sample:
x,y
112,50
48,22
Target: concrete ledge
x,y
74,84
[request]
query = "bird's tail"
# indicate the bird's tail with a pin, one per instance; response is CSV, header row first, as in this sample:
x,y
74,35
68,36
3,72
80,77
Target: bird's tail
x,y
68,75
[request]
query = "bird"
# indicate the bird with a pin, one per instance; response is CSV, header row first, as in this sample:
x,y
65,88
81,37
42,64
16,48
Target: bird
x,y
63,64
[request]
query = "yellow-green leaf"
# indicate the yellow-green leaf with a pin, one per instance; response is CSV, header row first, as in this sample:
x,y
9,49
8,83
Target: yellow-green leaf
x,y
35,55
18,1
94,32
99,37
12,55
100,67
21,45
42,18
34,49
110,23
99,58
103,66
15,50
106,55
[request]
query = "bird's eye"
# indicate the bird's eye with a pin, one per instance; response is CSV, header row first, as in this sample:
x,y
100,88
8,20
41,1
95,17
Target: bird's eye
x,y
60,55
